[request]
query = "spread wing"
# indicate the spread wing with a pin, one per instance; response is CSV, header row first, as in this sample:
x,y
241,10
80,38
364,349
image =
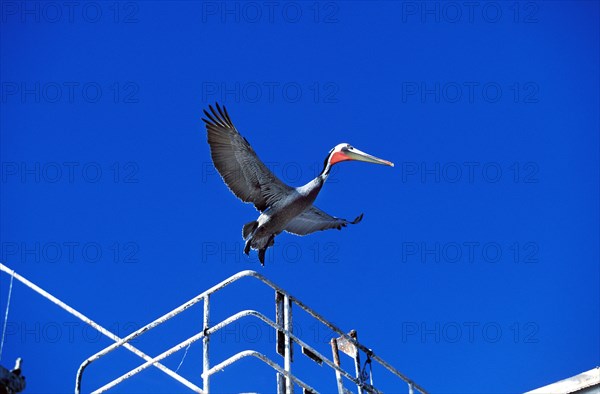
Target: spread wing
x,y
313,219
241,169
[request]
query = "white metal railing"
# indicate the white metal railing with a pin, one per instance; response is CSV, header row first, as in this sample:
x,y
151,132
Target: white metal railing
x,y
348,343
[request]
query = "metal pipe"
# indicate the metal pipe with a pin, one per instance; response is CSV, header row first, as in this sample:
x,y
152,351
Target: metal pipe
x,y
287,321
357,370
336,360
205,342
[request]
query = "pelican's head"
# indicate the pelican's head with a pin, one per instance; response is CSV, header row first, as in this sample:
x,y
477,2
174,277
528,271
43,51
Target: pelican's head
x,y
344,152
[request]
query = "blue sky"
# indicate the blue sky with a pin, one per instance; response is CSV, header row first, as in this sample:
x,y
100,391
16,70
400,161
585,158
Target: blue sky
x,y
475,268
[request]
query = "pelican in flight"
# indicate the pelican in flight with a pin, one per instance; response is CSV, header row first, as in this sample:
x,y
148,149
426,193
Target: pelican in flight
x,y
281,207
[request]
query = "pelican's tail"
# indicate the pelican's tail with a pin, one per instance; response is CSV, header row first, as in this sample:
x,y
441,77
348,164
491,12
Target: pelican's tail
x,y
248,229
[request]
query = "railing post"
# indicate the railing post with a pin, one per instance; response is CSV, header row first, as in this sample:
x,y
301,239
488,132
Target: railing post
x,y
280,383
336,361
354,336
205,342
287,366
280,341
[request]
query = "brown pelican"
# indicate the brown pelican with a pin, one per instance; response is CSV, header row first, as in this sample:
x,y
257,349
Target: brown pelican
x,y
282,207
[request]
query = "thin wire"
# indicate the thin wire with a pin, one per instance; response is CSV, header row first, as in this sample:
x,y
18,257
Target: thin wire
x,y
183,358
12,276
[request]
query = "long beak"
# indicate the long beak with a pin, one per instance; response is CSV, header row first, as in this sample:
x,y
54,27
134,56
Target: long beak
x,y
355,154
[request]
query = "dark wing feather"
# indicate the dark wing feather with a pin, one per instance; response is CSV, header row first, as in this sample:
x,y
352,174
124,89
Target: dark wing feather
x,y
241,169
313,219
